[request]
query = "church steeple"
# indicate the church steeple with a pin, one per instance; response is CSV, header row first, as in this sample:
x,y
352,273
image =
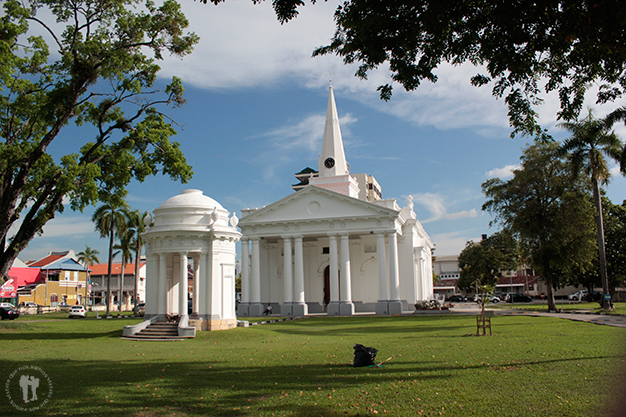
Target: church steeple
x,y
334,171
332,161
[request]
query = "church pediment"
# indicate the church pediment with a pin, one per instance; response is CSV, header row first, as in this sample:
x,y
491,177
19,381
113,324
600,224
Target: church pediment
x,y
315,204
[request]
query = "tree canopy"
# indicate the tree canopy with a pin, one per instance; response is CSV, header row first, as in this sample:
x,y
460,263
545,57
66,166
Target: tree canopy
x,y
482,263
101,72
523,48
550,211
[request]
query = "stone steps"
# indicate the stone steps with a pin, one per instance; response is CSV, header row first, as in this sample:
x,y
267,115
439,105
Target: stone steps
x,y
159,331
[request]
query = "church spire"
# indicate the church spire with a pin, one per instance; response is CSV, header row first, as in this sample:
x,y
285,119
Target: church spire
x,y
332,161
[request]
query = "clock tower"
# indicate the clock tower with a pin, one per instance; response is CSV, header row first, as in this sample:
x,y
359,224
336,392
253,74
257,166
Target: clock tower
x,y
334,170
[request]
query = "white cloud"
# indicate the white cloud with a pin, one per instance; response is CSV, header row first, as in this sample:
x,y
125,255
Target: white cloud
x,y
436,205
453,243
504,172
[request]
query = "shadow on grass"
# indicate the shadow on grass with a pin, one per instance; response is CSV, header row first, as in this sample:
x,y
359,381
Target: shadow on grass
x,y
210,387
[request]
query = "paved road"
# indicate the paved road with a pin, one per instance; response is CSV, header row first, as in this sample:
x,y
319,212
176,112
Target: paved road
x,y
608,320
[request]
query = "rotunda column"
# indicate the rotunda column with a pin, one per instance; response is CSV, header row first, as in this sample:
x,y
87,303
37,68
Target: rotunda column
x,y
183,286
196,287
163,290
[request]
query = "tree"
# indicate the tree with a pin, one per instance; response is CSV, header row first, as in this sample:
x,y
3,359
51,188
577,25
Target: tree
x,y
615,233
590,143
100,74
136,227
549,211
125,249
88,256
110,221
482,263
523,47
611,119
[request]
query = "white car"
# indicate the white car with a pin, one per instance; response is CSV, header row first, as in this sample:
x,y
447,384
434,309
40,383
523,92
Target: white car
x,y
78,311
7,305
577,296
488,297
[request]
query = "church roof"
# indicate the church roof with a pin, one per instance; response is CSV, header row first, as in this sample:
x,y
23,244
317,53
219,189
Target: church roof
x,y
315,203
306,171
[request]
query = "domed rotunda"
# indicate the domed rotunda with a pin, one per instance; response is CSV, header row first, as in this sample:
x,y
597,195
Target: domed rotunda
x,y
190,251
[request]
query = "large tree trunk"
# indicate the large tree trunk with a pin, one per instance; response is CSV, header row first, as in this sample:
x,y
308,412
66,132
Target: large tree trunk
x,y
601,248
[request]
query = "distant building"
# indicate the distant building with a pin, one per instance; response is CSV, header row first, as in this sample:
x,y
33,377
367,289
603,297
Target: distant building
x,y
99,275
62,280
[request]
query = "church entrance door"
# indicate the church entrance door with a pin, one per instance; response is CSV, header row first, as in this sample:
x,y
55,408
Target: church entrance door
x,y
327,285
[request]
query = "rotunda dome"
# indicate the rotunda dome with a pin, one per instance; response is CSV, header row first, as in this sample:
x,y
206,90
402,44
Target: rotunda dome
x,y
191,198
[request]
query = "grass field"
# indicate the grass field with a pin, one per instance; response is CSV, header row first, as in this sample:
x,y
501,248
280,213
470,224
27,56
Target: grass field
x,y
594,307
531,366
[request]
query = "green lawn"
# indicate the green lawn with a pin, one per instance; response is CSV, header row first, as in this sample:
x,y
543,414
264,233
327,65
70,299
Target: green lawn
x,y
619,308
531,366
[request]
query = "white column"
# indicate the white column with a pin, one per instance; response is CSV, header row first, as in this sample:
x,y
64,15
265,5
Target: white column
x,y
395,305
183,286
152,285
382,306
203,282
346,307
255,309
163,290
287,308
245,271
333,306
196,286
299,306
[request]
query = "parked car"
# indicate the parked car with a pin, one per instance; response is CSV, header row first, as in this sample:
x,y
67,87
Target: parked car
x,y
457,298
140,309
578,295
489,297
28,304
595,296
78,311
9,313
7,305
514,297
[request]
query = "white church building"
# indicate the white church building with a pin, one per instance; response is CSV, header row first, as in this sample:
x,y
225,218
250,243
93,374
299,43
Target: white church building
x,y
334,245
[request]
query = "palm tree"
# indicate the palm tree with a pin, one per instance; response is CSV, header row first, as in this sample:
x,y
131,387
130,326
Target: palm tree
x,y
591,141
124,247
615,116
88,257
136,226
110,221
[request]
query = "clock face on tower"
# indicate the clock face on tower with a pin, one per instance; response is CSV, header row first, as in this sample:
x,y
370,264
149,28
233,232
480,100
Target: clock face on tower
x,y
329,163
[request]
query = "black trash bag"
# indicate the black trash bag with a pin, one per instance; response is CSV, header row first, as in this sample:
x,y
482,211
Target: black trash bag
x,y
364,356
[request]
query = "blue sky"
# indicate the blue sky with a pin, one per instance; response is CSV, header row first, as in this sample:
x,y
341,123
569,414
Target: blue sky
x,y
256,103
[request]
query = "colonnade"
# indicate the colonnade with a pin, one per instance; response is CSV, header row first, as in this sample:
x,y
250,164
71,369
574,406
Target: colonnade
x,y
341,302
165,303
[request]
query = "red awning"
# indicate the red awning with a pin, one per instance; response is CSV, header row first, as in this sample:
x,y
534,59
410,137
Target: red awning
x,y
19,277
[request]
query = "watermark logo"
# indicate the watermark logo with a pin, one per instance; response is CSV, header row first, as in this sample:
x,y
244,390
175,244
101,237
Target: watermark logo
x,y
28,388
